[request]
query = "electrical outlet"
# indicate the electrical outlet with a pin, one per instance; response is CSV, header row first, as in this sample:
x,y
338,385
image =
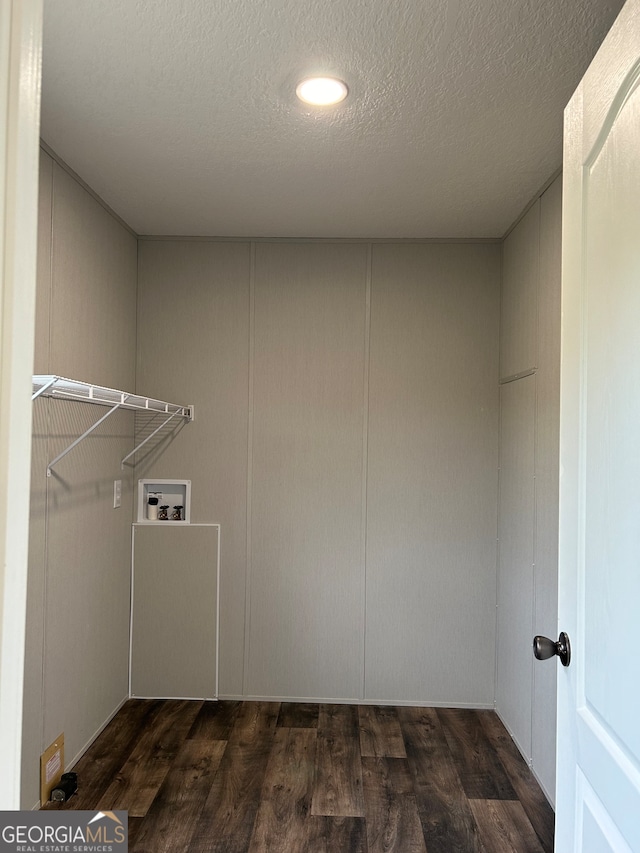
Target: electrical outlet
x,y
117,493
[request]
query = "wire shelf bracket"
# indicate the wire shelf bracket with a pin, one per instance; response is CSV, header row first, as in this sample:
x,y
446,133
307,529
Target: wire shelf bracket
x,y
72,389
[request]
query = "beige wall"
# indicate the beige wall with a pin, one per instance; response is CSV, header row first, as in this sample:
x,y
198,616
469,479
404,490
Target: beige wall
x,y
193,345
528,507
346,440
305,627
79,565
432,473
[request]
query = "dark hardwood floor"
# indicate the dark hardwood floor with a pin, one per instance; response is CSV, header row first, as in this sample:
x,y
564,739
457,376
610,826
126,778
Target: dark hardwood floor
x,y
230,777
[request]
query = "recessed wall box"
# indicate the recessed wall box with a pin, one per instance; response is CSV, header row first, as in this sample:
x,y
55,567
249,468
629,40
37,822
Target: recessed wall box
x,y
171,493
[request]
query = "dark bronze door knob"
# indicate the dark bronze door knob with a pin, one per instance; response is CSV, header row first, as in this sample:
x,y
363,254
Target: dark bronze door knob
x,y
544,648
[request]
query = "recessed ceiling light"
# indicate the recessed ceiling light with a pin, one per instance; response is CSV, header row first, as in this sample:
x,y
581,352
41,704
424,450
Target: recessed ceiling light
x,y
322,91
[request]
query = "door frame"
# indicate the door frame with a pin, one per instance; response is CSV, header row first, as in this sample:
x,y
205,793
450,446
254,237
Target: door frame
x,y
20,85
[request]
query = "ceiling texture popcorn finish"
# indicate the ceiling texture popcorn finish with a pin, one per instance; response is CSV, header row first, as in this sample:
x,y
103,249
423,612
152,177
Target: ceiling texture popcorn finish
x,y
183,117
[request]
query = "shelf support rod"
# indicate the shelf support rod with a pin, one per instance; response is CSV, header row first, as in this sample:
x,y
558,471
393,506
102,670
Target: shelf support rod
x,y
78,440
149,437
45,387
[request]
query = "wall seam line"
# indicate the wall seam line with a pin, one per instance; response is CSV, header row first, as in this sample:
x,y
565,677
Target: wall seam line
x,y
365,460
247,587
133,472
499,483
534,566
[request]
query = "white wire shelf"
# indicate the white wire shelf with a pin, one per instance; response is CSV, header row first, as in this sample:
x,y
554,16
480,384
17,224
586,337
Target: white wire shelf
x,y
85,392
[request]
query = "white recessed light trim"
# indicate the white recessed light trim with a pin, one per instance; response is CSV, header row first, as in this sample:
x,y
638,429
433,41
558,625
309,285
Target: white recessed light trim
x,y
322,91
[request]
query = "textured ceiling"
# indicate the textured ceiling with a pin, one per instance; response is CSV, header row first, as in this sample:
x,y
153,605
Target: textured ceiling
x,y
181,114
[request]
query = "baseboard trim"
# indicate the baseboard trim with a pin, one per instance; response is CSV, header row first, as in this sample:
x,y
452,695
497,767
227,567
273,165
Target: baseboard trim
x,y
405,703
177,698
529,760
97,733
543,788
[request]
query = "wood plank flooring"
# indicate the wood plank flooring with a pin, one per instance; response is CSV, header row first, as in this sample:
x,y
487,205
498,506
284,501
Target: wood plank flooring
x,y
256,777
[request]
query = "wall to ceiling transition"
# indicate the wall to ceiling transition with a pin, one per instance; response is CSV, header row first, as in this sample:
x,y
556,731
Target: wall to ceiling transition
x,y
529,467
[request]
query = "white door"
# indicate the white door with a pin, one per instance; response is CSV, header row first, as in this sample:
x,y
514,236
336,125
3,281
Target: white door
x,y
598,780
